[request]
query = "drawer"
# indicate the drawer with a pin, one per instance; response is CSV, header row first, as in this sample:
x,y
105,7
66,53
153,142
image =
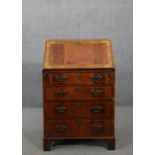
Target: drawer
x,y
88,109
77,77
78,92
79,128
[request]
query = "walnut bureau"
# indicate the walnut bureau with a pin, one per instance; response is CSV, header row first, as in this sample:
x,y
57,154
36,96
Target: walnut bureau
x,y
78,91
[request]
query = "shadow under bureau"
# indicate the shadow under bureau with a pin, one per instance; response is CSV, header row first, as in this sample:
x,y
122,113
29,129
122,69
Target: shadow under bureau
x,y
78,91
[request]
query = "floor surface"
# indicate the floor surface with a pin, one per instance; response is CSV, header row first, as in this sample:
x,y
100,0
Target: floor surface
x,y
33,134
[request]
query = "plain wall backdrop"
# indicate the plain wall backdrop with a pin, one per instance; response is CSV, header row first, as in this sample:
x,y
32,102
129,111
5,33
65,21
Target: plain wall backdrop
x,y
76,19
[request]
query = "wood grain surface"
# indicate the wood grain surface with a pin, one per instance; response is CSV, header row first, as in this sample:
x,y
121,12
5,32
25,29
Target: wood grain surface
x,y
78,54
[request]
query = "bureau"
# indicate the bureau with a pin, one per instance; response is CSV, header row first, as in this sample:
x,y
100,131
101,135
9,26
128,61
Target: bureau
x,y
78,91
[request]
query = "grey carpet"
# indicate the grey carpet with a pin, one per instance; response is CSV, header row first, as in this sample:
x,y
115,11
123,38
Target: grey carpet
x,y
33,133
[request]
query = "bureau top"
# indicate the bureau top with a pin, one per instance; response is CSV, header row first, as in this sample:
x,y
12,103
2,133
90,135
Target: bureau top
x,y
70,54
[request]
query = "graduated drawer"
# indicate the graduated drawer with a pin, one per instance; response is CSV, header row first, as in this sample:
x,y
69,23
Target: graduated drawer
x,y
78,77
79,128
70,109
78,92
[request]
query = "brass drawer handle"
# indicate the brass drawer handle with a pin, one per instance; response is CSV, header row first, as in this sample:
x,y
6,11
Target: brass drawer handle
x,y
96,127
96,92
97,109
60,109
97,78
61,92
60,78
61,128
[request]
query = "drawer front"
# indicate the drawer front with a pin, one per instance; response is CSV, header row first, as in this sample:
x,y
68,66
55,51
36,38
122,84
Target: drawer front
x,y
78,92
63,110
79,128
94,77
